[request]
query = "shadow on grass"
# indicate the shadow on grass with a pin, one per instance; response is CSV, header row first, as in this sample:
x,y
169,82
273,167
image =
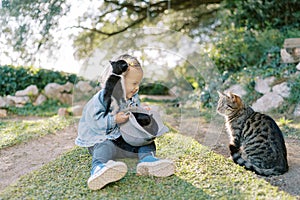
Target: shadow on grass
x,y
200,174
66,178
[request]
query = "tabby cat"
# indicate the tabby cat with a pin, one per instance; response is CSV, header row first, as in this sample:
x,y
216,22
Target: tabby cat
x,y
256,141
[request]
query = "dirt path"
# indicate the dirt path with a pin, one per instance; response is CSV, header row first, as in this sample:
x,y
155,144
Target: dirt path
x,y
21,159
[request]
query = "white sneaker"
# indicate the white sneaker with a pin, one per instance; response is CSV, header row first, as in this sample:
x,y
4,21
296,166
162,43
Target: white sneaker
x,y
111,172
158,168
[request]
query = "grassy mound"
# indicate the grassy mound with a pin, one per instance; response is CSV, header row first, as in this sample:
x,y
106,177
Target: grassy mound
x,y
15,132
200,174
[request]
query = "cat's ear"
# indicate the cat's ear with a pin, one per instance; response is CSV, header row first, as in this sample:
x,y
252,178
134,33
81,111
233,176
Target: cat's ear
x,y
112,63
236,99
220,94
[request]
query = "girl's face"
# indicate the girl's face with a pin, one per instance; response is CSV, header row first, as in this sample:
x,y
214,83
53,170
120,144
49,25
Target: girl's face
x,y
132,81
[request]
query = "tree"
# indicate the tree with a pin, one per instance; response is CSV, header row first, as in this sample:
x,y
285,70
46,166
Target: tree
x,y
264,14
35,21
27,24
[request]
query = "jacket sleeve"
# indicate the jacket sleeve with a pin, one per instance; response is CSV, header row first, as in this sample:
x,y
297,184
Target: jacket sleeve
x,y
107,123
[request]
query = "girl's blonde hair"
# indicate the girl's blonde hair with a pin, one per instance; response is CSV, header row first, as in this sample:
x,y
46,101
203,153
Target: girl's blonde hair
x,y
131,61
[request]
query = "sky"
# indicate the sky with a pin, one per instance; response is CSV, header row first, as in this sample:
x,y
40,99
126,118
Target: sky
x,y
64,60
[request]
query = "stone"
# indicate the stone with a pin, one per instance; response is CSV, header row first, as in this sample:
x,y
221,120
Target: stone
x,y
298,66
39,100
58,92
84,86
66,98
263,85
282,89
62,112
77,110
3,113
267,102
68,87
286,57
297,111
3,102
21,100
31,90
291,50
53,90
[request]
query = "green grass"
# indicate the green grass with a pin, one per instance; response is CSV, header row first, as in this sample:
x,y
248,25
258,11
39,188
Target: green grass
x,y
200,174
46,109
15,132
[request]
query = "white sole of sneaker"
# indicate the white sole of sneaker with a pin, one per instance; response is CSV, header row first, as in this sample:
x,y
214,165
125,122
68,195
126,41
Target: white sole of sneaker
x,y
161,168
113,171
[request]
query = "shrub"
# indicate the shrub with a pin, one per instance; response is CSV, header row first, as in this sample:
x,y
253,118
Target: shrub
x,y
153,89
18,78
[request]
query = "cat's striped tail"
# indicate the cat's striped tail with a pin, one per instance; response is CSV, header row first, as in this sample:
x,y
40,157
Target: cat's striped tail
x,y
277,170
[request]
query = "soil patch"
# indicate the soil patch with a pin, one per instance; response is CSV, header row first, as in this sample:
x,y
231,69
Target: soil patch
x,y
21,159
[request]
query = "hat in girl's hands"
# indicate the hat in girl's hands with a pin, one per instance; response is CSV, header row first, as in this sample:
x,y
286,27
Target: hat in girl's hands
x,y
142,127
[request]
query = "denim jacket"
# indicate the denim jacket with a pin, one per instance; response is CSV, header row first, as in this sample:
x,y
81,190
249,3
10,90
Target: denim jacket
x,y
93,127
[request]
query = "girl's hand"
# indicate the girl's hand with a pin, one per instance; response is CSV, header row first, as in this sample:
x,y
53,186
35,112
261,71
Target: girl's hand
x,y
121,117
147,108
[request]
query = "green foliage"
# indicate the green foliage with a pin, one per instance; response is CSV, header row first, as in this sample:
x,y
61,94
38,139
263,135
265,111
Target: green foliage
x,y
229,52
294,84
238,48
259,15
18,78
46,109
16,132
153,89
200,174
253,32
42,15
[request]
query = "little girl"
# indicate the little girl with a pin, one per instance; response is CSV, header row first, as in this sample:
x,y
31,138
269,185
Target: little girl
x,y
101,135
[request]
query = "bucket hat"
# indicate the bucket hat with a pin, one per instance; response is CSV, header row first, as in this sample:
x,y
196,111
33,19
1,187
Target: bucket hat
x,y
136,134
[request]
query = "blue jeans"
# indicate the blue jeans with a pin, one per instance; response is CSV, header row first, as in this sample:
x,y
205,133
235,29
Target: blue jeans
x,y
118,148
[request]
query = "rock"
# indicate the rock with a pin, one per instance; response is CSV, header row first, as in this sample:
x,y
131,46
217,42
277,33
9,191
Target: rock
x,y
53,90
267,102
297,111
68,87
77,110
282,89
298,66
62,112
237,89
39,100
58,92
31,90
286,57
21,100
3,113
84,86
263,85
3,102
66,98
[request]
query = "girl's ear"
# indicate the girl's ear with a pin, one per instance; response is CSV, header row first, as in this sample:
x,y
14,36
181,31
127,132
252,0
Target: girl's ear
x,y
128,69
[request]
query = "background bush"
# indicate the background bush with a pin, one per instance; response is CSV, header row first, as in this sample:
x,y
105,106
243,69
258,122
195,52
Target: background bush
x,y
13,78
